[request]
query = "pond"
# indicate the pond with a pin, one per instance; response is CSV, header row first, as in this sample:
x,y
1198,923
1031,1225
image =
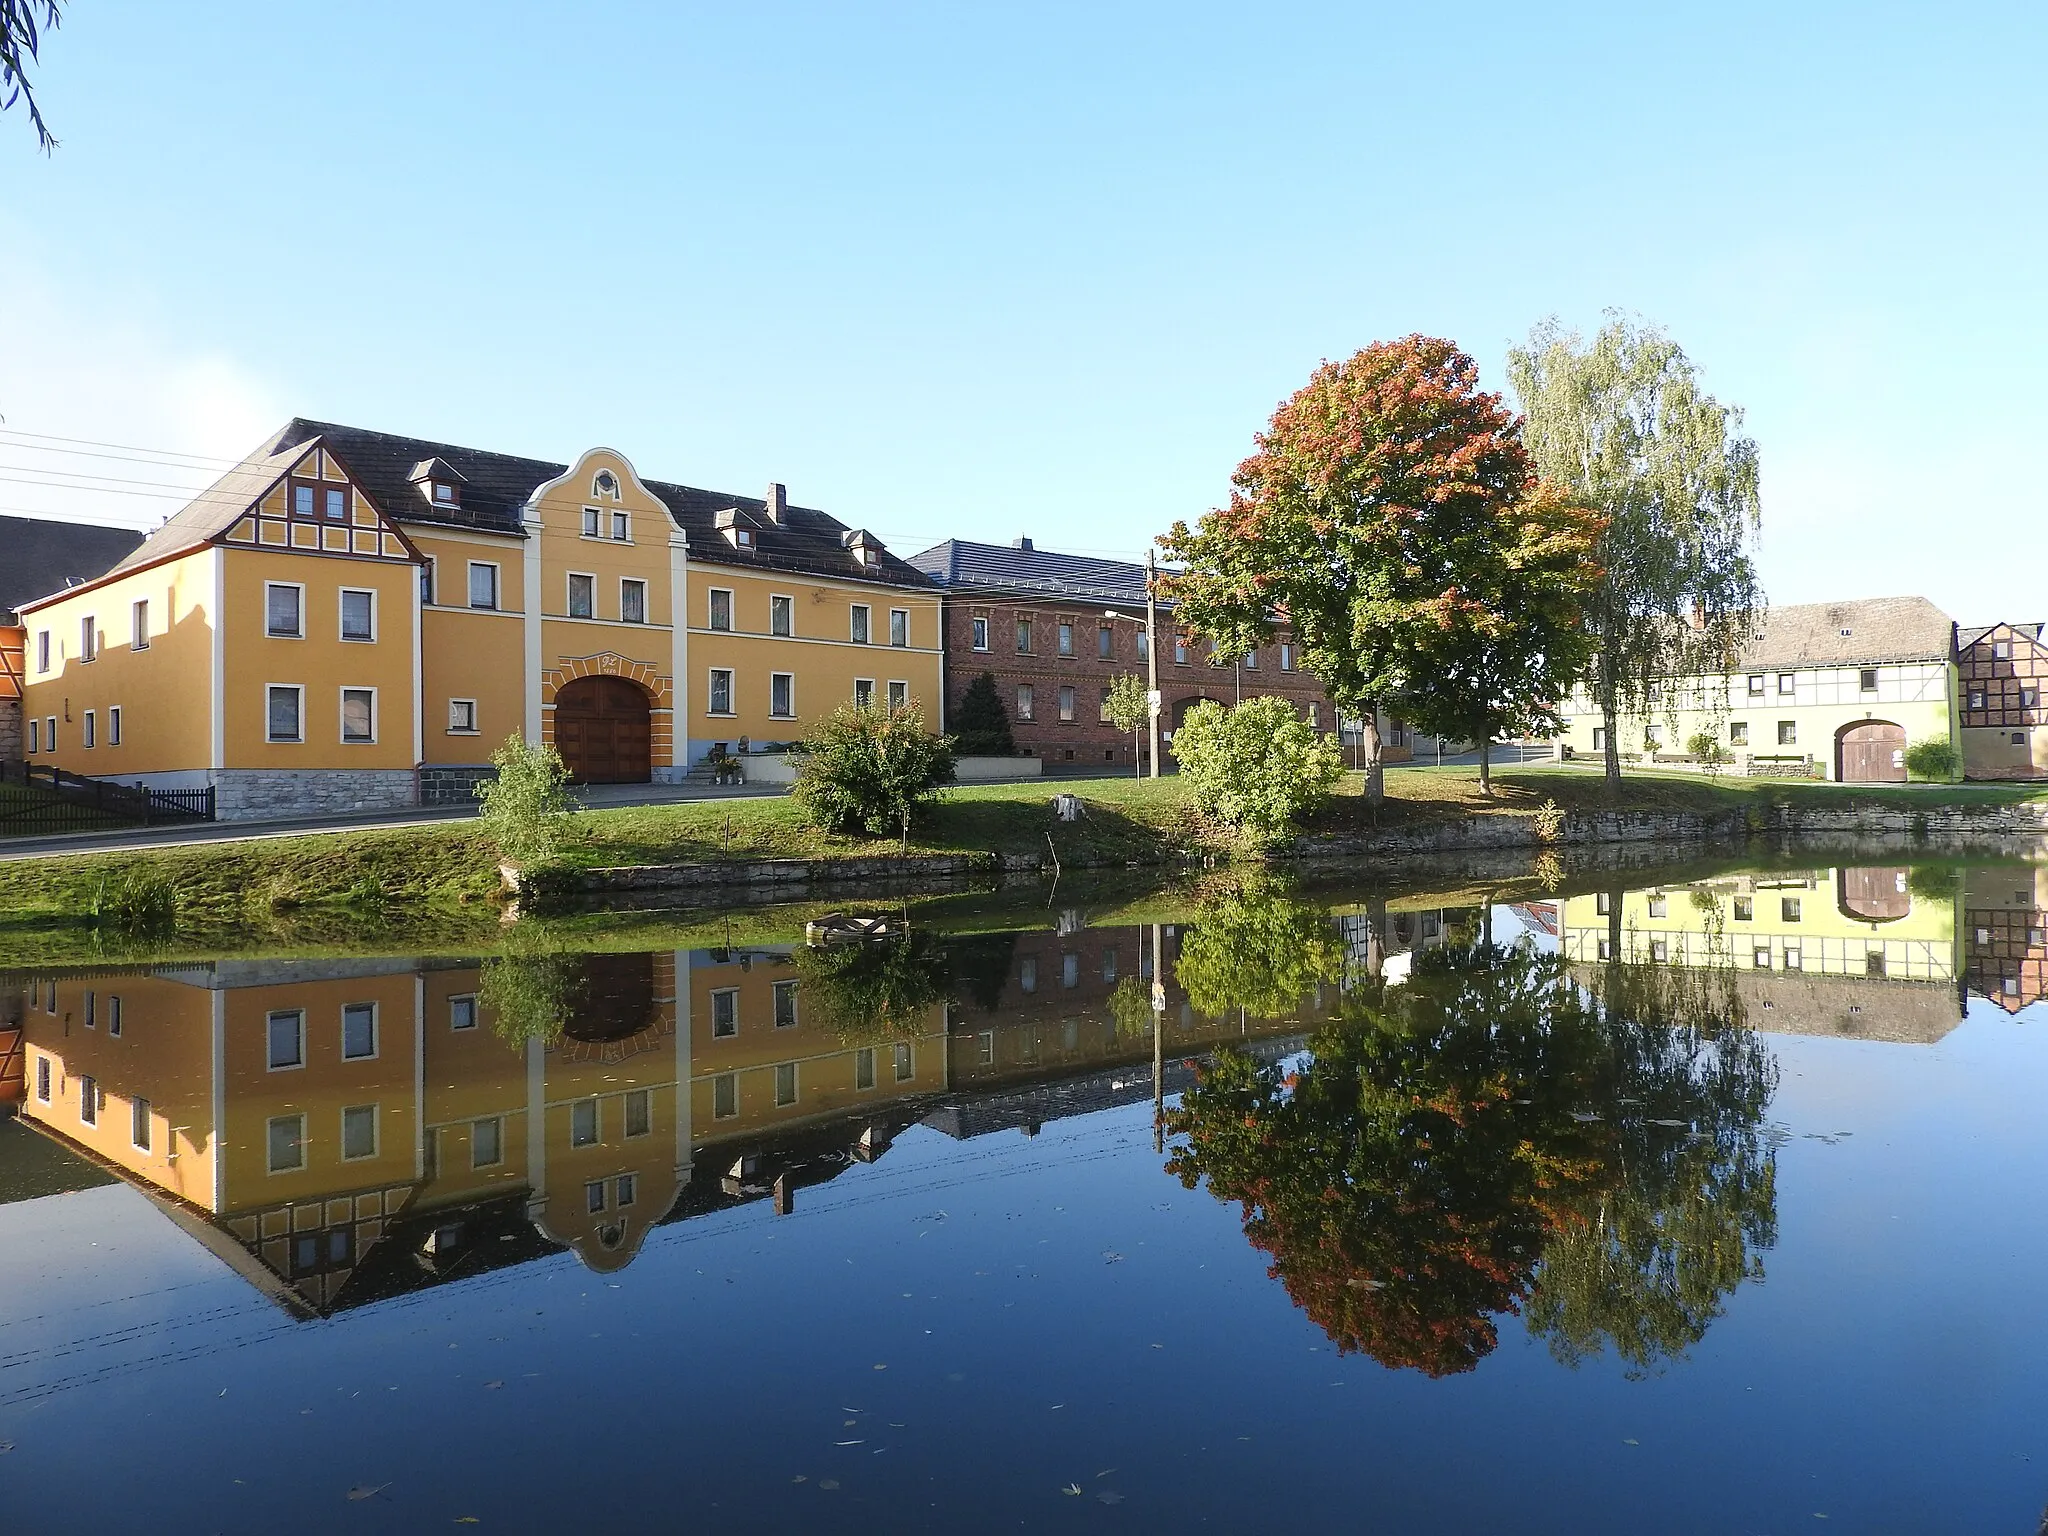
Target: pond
x,y
1697,1202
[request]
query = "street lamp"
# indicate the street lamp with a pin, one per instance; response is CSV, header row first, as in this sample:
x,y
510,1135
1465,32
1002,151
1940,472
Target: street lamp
x,y
1145,627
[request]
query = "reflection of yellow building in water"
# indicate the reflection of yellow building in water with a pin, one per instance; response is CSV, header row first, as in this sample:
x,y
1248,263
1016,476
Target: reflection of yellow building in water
x,y
1845,951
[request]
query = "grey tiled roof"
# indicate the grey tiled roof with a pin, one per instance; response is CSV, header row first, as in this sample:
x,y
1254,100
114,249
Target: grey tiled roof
x,y
39,556
965,565
1870,629
1969,635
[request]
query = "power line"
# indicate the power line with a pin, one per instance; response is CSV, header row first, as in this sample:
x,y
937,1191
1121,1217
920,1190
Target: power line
x,y
92,442
82,474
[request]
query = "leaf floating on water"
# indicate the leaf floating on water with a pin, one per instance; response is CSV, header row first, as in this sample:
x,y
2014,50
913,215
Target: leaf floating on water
x,y
1631,1442
1584,1116
849,1442
828,1482
492,1386
800,1478
363,1491
467,1520
1111,1256
1110,1496
1073,1489
8,1445
1674,1124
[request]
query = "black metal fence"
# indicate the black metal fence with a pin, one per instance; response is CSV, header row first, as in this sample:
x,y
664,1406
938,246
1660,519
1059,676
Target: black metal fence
x,y
40,798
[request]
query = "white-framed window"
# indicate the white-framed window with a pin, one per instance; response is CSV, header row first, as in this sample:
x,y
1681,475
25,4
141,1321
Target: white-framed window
x,y
725,1013
1023,636
483,584
864,692
1144,643
721,692
639,1106
626,1190
622,527
1023,701
862,617
1067,705
1866,680
781,614
1251,661
88,1101
1788,733
486,1143
462,1011
138,624
582,595
88,731
1103,705
284,610
584,1124
899,694
35,735
864,1068
358,614
721,608
1788,682
1286,657
358,1132
462,717
285,1039
899,626
1792,962
785,1004
1760,956
427,581
782,695
114,1015
1105,641
1789,909
906,1063
359,1032
632,600
42,651
592,522
444,493
785,1084
337,502
979,628
359,716
113,725
43,1084
89,638
285,712
1738,733
1066,639
285,1144
49,733
1070,970
89,1009
743,537
2001,649
725,1095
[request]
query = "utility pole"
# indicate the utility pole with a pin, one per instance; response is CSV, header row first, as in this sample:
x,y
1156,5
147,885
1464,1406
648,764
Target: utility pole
x,y
1158,1049
1152,661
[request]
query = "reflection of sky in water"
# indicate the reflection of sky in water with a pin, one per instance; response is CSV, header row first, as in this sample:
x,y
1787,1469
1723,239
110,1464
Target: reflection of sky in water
x,y
960,1332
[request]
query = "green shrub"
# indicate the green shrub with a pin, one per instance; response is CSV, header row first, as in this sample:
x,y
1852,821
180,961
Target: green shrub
x,y
527,809
981,726
139,903
1934,757
867,769
530,987
876,989
1258,766
1706,746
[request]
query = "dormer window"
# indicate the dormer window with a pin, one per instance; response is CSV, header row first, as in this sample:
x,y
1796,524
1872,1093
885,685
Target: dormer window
x,y
439,481
743,537
445,495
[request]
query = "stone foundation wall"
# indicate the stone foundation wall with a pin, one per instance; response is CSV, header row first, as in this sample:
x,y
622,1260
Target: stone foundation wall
x,y
248,794
10,728
453,783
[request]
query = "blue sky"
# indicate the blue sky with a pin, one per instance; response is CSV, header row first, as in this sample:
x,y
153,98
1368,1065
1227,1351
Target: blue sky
x,y
981,270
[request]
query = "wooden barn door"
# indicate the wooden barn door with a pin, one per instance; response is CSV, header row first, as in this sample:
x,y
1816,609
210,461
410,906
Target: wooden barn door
x,y
1873,753
603,731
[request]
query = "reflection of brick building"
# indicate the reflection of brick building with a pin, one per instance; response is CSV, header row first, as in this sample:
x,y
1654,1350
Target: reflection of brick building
x,y
2005,926
1038,621
2002,673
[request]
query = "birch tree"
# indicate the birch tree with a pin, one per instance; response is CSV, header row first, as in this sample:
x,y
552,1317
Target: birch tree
x,y
1624,426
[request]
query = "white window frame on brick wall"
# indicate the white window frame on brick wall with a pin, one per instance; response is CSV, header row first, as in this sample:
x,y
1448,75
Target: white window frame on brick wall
x,y
977,634
341,716
1025,700
268,734
298,588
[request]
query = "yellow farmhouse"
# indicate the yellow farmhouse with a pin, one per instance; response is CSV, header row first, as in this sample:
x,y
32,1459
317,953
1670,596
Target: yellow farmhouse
x,y
1829,690
349,620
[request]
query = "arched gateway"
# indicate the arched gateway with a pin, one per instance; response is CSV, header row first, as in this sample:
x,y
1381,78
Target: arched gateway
x,y
1871,752
604,731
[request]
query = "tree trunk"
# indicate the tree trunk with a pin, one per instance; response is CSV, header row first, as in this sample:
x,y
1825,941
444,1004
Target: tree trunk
x,y
1615,897
1375,769
1486,766
1376,939
1613,755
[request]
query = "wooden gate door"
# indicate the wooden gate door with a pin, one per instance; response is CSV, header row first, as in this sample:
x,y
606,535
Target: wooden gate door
x,y
1872,753
603,731
1873,894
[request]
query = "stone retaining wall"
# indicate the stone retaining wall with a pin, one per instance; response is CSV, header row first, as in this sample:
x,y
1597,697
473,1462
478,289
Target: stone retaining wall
x,y
453,783
255,794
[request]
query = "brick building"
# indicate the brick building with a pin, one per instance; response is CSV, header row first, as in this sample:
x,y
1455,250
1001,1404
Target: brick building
x,y
2002,674
1055,629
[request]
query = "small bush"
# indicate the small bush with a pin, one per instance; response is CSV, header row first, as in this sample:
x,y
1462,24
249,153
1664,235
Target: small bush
x,y
527,809
139,903
531,987
1706,746
1258,766
1549,820
867,769
981,726
1934,757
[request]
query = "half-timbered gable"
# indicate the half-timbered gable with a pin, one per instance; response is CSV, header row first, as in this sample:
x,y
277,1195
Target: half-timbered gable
x,y
2002,672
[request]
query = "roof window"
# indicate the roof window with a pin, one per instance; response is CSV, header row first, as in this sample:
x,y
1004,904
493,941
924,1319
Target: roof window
x,y
439,481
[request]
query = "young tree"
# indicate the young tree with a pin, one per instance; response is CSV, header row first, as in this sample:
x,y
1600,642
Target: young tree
x,y
1129,707
527,809
981,726
1622,424
1520,643
1349,520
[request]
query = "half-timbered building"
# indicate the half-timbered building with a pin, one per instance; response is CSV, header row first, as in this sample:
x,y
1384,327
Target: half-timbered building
x,y
2002,674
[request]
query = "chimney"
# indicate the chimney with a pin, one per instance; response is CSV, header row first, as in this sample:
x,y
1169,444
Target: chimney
x,y
778,502
1020,542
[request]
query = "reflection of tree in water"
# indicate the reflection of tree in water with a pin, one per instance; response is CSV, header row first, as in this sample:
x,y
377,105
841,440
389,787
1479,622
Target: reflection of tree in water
x,y
980,967
875,989
531,987
1259,948
1414,1176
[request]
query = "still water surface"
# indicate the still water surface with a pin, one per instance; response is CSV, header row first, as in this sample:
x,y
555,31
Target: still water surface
x,y
1704,1206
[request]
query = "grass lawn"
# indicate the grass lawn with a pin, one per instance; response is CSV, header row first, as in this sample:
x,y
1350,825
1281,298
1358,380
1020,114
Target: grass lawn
x,y
449,868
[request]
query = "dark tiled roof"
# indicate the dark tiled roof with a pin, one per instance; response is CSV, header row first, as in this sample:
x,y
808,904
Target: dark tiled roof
x,y
39,556
496,485
1842,634
1017,568
1969,635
